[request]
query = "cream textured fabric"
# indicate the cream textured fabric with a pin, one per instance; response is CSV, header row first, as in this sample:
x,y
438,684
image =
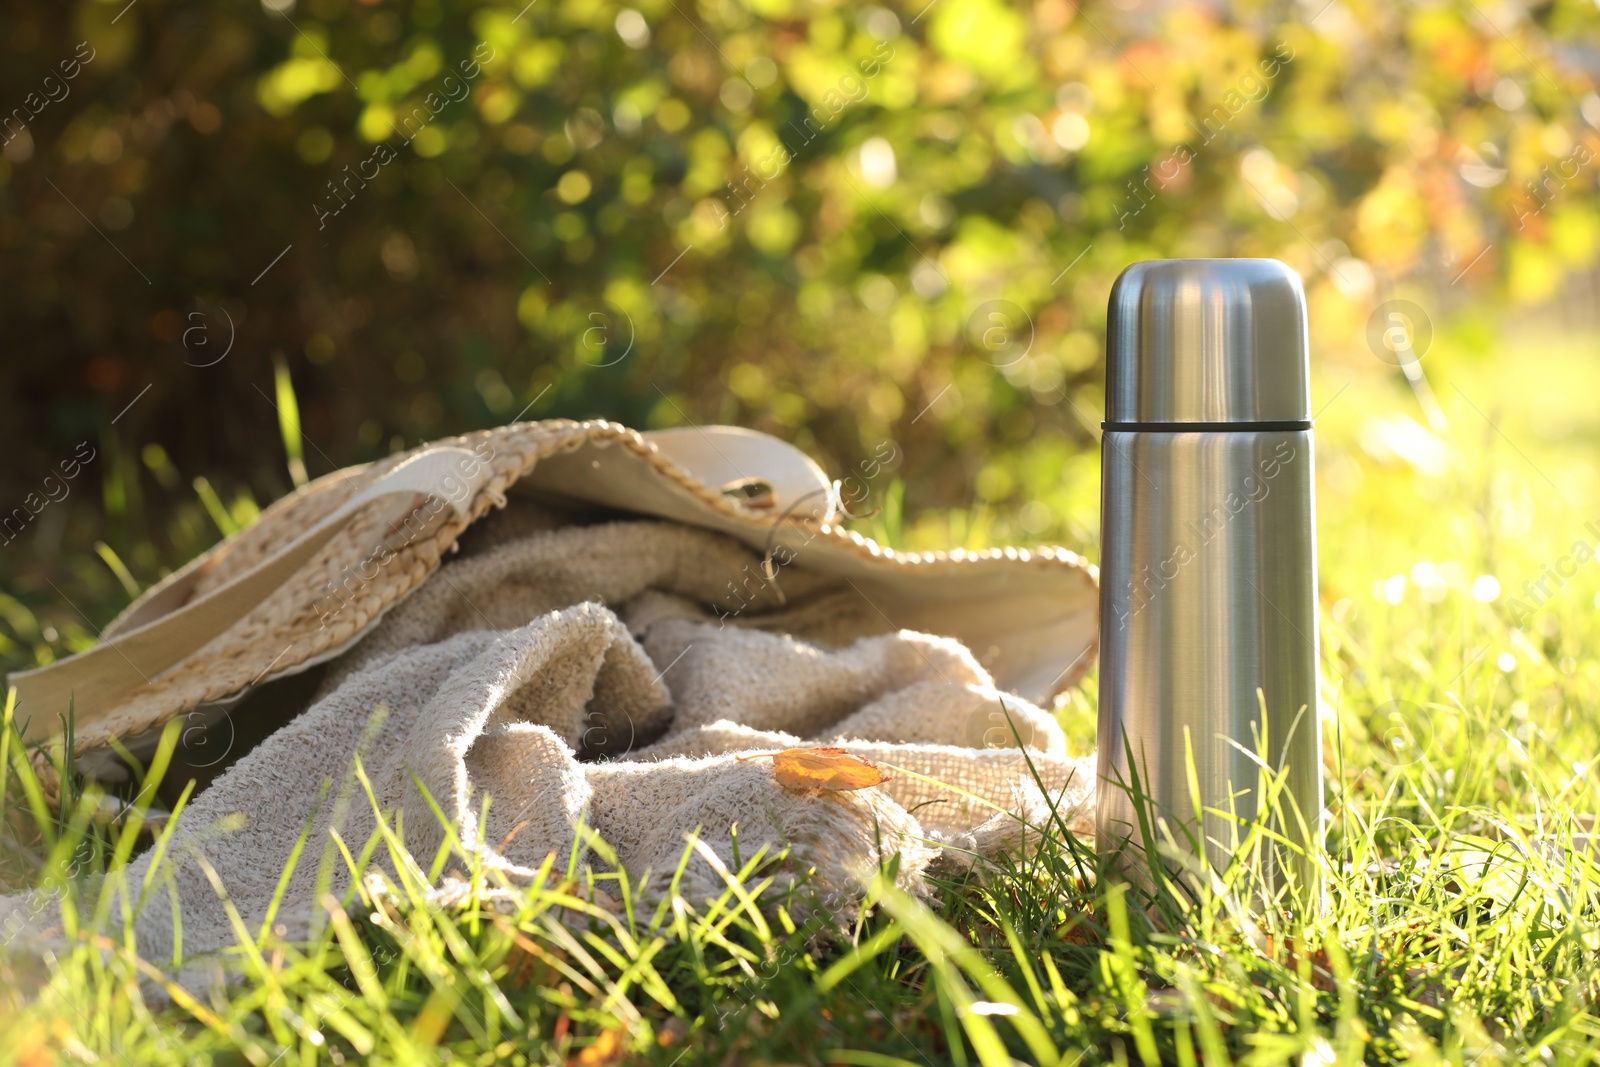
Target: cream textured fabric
x,y
595,675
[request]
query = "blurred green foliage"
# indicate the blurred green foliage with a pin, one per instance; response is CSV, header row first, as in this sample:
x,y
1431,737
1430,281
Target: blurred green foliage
x,y
843,224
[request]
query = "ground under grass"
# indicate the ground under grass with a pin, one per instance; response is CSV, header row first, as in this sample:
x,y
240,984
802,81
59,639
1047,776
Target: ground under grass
x,y
1461,920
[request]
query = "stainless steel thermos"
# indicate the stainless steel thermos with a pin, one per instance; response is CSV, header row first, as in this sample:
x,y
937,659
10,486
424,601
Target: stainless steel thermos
x,y
1208,575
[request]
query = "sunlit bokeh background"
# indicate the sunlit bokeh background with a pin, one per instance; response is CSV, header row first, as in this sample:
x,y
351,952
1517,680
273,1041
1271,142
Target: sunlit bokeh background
x,y
246,243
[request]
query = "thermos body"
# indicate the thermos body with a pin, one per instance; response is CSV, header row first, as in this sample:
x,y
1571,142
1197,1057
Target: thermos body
x,y
1208,594
1208,560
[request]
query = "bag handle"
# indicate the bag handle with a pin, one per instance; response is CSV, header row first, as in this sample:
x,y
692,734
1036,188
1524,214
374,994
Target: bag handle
x,y
729,458
101,677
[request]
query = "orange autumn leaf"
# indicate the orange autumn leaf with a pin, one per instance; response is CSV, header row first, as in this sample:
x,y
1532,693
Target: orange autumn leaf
x,y
823,768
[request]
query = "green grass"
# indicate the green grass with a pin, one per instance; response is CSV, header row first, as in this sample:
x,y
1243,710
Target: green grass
x,y
1462,914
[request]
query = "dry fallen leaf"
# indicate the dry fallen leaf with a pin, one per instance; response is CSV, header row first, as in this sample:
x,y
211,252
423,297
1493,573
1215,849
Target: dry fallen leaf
x,y
823,768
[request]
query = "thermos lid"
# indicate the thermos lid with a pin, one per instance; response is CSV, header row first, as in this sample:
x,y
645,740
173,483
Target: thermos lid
x,y
1207,341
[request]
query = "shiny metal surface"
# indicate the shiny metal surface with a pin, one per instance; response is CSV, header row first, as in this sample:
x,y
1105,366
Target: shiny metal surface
x,y
1206,340
1209,591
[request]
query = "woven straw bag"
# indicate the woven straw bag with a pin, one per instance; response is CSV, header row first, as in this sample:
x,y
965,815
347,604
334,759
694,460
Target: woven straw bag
x,y
321,566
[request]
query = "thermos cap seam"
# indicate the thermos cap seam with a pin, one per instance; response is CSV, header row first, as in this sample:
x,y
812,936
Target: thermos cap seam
x,y
1207,427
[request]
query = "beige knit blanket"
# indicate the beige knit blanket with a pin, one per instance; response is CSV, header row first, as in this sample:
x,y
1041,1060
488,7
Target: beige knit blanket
x,y
557,680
